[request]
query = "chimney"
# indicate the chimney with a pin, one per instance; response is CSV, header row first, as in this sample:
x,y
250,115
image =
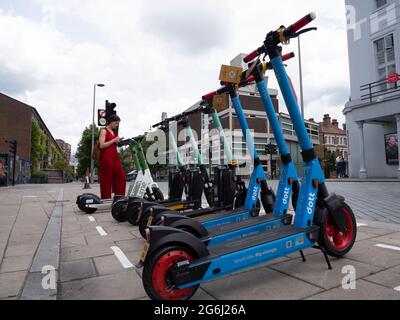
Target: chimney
x,y
335,123
327,120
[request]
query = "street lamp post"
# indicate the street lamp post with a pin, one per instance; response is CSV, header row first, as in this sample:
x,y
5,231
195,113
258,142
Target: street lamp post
x,y
93,125
301,69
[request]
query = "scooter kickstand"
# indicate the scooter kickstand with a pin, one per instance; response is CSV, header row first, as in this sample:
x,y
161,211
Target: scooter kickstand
x,y
325,255
303,256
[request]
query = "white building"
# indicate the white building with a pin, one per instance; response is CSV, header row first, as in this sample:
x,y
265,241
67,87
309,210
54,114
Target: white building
x,y
373,111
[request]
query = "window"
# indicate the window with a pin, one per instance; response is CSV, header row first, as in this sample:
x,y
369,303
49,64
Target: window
x,y
380,3
385,58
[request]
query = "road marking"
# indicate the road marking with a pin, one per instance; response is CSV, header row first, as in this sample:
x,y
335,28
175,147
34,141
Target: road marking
x,y
362,225
92,219
385,246
397,289
29,197
101,231
122,258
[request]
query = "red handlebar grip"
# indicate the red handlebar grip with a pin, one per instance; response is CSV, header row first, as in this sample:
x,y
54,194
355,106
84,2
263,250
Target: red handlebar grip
x,y
288,56
209,96
303,22
251,56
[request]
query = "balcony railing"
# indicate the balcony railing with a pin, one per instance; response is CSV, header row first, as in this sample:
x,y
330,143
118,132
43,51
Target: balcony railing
x,y
380,88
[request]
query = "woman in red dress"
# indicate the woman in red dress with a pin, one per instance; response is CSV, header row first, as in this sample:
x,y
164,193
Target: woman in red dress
x,y
112,174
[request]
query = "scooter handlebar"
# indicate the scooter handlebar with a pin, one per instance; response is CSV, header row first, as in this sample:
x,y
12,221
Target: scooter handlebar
x,y
297,26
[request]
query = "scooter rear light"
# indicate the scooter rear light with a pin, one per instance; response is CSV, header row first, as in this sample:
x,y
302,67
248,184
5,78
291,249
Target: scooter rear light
x,y
162,221
148,235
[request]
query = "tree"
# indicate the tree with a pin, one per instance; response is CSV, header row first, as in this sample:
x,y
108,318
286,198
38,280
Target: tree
x,y
66,168
84,151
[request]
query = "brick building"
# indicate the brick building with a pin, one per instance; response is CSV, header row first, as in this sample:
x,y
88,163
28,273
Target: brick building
x,y
66,149
17,122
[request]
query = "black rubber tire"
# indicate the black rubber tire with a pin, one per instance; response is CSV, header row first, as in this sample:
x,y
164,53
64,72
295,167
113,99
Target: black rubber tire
x,y
118,211
326,244
143,223
158,195
151,262
90,210
131,214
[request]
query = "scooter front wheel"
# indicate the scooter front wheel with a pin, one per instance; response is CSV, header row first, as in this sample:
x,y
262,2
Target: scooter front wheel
x,y
157,274
118,211
336,243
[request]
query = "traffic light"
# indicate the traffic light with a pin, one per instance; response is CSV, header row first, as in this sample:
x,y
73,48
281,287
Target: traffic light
x,y
110,109
102,118
12,147
271,149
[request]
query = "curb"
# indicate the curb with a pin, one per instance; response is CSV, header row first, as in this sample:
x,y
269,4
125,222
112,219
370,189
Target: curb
x,y
47,255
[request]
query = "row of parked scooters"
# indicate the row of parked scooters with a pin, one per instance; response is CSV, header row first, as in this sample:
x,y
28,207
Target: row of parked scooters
x,y
187,245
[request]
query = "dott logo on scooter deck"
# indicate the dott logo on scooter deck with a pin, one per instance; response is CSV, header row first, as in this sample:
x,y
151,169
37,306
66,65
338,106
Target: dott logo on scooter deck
x,y
286,196
310,205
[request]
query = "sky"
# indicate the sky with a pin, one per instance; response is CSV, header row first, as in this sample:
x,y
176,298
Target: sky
x,y
156,56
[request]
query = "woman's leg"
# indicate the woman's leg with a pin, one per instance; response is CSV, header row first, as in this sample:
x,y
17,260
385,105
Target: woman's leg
x,y
119,179
106,179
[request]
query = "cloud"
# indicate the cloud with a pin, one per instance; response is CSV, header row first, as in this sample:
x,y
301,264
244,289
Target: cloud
x,y
154,57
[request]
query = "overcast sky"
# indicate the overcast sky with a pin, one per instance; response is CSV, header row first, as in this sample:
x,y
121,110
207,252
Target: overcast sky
x,y
155,56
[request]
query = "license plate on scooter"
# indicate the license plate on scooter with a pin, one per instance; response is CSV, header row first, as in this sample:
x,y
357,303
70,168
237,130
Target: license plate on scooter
x,y
150,221
144,252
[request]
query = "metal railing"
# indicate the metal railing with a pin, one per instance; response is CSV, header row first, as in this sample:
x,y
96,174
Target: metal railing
x,y
379,88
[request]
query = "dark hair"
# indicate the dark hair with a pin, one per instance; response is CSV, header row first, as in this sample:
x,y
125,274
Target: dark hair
x,y
113,118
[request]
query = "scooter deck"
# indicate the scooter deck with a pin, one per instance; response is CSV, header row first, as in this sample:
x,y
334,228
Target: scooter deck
x,y
202,212
221,215
262,221
256,240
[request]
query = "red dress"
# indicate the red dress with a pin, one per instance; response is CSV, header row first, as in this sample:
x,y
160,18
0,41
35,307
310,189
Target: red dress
x,y
112,174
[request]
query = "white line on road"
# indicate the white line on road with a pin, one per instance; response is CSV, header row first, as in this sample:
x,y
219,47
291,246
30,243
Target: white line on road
x,y
362,225
92,219
385,246
122,258
101,231
397,289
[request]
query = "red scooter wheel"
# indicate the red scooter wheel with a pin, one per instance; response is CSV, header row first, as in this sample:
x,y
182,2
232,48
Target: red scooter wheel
x,y
157,274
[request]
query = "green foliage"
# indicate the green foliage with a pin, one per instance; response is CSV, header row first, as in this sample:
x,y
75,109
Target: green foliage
x,y
39,177
84,151
66,168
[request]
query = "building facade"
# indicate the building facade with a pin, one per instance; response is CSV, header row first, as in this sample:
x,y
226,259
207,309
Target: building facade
x,y
66,149
36,147
373,111
332,138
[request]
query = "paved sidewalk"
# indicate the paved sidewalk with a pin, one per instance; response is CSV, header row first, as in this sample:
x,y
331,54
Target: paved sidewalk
x,y
97,254
24,214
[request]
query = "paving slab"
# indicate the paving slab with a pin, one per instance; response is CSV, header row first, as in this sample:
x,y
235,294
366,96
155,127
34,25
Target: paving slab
x,y
69,242
316,272
109,238
82,252
392,239
121,286
13,264
107,265
364,291
260,284
11,283
389,278
366,251
21,249
75,270
132,245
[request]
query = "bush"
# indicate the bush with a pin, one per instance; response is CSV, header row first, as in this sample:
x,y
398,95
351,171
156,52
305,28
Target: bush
x,y
40,177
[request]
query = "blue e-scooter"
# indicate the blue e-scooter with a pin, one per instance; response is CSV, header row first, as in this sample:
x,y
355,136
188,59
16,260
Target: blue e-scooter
x,y
176,262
